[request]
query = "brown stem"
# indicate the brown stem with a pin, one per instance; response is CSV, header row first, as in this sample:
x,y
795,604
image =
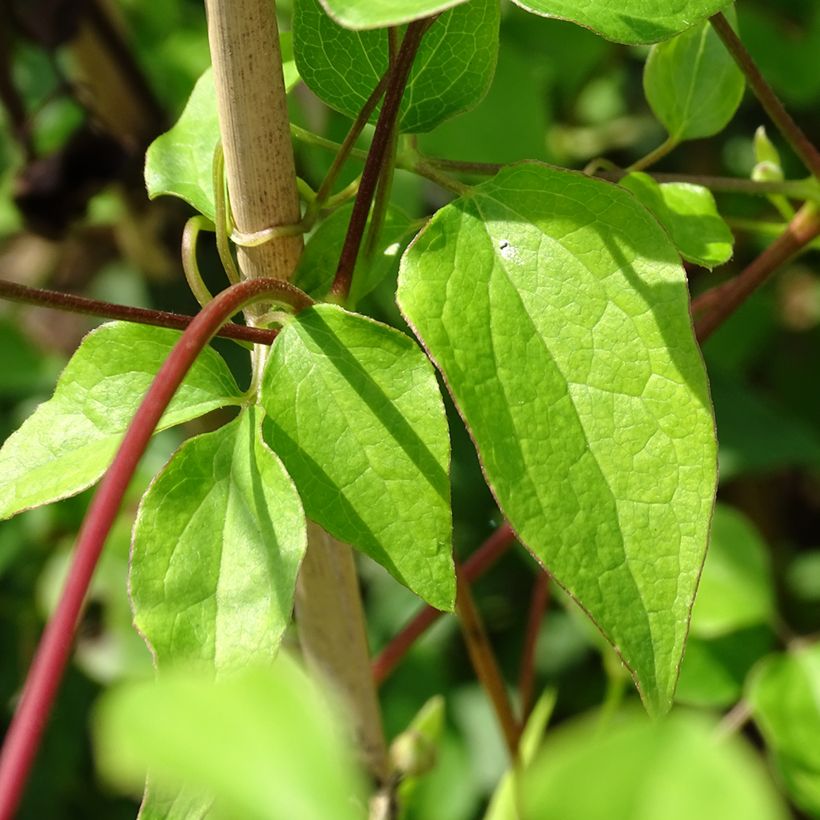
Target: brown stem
x,y
801,144
399,74
23,738
474,567
253,124
485,664
107,310
717,304
538,606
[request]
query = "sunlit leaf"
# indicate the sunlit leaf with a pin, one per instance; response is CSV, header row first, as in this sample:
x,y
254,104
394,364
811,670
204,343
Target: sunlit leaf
x,y
628,21
557,311
69,441
363,14
690,215
217,543
354,412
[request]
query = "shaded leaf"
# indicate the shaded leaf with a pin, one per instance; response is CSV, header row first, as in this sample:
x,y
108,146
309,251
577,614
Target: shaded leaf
x,y
628,21
69,441
355,414
557,311
452,71
692,84
317,264
217,543
690,215
263,742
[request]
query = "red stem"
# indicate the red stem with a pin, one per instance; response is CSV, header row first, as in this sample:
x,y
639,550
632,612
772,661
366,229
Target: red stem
x,y
474,567
538,606
92,307
768,99
717,304
399,75
23,738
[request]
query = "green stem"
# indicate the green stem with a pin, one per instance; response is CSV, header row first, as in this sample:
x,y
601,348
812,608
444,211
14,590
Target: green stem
x,y
657,154
190,266
792,133
223,217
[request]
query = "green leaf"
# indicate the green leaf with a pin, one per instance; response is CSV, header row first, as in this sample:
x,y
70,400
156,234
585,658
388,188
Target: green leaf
x,y
504,803
692,84
628,21
736,588
557,310
70,440
689,214
180,161
782,694
714,670
263,742
217,544
355,414
174,803
317,264
363,14
636,769
452,72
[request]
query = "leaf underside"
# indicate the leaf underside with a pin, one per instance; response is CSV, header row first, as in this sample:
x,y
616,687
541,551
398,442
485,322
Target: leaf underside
x,y
557,310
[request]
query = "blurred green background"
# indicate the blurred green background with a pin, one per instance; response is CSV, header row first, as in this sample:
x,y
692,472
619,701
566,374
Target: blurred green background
x,y
74,217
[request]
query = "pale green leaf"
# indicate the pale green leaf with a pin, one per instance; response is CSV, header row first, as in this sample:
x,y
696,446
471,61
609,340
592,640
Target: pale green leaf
x,y
558,312
69,441
355,414
736,589
180,161
452,71
317,264
628,21
674,770
692,84
504,803
217,543
783,695
263,742
364,14
174,803
689,214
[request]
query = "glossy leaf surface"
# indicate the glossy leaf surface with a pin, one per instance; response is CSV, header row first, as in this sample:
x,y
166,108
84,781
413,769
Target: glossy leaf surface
x,y
229,737
217,544
689,214
66,445
557,310
452,71
354,412
628,21
692,84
